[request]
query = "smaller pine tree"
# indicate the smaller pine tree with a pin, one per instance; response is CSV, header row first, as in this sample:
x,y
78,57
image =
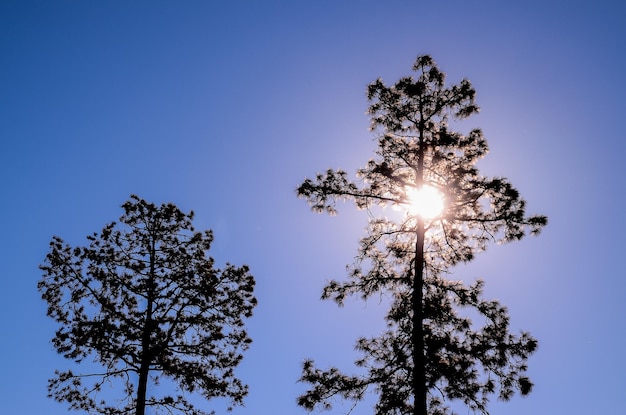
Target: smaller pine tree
x,y
144,301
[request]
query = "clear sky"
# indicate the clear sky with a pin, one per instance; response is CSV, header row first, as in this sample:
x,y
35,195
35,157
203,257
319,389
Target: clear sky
x,y
225,107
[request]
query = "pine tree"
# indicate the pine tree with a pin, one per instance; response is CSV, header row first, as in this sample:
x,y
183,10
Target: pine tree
x,y
431,352
144,301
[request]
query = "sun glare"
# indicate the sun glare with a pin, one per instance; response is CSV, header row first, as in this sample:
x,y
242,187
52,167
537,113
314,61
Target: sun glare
x,y
426,202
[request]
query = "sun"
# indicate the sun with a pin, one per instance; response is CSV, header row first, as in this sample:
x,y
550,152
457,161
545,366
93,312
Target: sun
x,y
426,202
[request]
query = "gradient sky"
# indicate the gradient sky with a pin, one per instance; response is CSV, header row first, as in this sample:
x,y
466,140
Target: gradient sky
x,y
225,107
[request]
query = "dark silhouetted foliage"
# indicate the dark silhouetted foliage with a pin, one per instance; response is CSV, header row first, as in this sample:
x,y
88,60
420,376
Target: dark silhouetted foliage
x,y
432,353
144,301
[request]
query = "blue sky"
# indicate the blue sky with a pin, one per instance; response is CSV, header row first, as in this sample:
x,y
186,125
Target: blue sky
x,y
225,107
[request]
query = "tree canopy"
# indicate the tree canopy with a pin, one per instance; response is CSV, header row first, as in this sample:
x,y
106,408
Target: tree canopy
x,y
432,353
144,300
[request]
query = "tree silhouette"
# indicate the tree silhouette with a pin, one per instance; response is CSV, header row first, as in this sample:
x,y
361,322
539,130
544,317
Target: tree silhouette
x,y
144,300
431,352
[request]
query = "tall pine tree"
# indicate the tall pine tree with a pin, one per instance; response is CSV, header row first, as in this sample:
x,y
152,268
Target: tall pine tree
x,y
432,352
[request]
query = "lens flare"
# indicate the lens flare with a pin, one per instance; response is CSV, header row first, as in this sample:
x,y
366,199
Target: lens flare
x,y
426,202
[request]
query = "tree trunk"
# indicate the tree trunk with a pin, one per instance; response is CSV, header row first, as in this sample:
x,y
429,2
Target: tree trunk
x,y
419,359
144,369
146,347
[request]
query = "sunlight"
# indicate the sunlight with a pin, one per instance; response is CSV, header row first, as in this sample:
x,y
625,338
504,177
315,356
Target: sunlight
x,y
426,202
